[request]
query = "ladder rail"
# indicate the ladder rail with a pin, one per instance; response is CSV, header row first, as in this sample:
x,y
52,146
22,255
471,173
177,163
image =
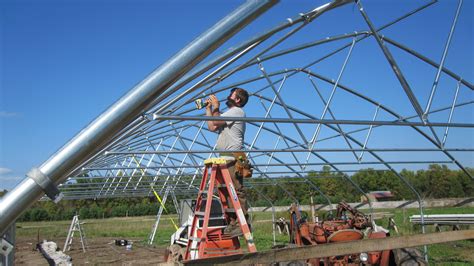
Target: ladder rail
x,y
207,212
176,204
69,235
192,244
82,235
225,174
151,238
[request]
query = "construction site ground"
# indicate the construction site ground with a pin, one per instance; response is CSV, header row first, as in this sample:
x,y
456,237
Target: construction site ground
x,y
102,233
100,251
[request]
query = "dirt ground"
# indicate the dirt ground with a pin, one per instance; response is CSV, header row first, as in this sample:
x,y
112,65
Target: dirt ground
x,y
100,251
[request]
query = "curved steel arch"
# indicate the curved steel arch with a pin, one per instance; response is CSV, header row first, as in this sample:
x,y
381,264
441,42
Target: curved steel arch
x,y
153,148
156,129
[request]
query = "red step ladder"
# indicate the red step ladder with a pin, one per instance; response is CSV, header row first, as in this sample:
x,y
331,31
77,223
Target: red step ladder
x,y
209,241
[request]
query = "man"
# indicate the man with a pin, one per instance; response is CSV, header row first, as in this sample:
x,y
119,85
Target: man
x,y
231,138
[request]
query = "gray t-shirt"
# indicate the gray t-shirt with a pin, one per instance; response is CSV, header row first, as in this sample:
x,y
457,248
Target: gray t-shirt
x,y
231,135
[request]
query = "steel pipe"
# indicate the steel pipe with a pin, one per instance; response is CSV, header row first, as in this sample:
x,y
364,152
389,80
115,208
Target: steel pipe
x,y
313,121
125,110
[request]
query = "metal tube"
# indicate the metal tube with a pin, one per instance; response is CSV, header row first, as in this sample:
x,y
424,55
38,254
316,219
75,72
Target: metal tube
x,y
257,39
400,118
451,114
149,163
138,163
123,173
186,155
250,44
396,69
210,154
273,210
100,131
166,158
295,150
286,142
290,164
106,174
368,134
272,85
313,121
441,64
428,61
358,39
326,104
112,174
267,114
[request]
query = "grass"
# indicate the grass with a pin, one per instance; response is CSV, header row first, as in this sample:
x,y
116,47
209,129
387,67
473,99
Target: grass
x,y
138,228
453,253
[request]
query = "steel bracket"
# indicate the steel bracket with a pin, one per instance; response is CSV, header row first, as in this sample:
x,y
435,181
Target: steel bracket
x,y
5,247
46,184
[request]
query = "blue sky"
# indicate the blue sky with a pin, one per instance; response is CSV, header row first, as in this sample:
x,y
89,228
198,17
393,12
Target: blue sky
x,y
64,62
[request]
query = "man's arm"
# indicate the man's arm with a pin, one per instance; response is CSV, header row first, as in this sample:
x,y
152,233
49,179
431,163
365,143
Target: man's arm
x,y
212,109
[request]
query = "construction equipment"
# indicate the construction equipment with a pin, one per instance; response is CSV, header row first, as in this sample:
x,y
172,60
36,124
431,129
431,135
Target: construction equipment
x,y
203,235
349,224
200,103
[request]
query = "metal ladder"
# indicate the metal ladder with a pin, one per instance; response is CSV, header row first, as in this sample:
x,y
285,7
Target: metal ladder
x,y
75,227
151,237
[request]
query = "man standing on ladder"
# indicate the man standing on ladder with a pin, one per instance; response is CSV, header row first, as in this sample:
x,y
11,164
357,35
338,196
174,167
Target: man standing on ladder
x,y
231,138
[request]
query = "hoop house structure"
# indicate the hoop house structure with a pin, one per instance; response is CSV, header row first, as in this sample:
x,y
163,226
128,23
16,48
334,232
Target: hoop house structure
x,y
316,100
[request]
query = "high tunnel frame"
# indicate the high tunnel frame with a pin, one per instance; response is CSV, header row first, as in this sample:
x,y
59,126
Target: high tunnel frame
x,y
154,138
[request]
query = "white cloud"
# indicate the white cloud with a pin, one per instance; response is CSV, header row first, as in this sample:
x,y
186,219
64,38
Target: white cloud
x,y
7,178
5,171
7,114
9,183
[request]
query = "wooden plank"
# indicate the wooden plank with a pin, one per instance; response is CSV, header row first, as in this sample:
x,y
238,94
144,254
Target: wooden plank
x,y
337,249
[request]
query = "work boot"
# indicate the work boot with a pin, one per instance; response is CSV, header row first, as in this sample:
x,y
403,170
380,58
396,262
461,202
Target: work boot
x,y
233,229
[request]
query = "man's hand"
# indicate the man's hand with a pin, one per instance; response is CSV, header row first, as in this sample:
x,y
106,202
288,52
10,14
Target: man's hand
x,y
208,105
214,102
212,109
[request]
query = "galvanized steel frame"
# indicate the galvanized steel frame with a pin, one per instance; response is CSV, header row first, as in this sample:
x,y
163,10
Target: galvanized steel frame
x,y
151,128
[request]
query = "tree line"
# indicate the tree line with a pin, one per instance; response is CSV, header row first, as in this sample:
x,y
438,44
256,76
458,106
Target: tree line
x,y
438,181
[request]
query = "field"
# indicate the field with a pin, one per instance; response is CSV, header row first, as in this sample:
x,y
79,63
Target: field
x,y
101,234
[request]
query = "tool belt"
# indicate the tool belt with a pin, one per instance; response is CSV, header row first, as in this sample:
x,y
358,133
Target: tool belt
x,y
242,165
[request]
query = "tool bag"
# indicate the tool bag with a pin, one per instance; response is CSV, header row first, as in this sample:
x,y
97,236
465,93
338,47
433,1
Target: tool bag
x,y
242,165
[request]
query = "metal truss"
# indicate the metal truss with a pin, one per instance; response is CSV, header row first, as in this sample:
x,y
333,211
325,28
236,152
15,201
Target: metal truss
x,y
285,137
314,102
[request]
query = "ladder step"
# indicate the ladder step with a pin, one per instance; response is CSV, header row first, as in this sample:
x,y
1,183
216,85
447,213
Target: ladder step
x,y
227,252
195,238
229,210
199,213
218,249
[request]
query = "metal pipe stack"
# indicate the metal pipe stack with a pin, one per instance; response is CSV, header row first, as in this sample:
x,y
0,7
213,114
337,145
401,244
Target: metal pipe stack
x,y
444,219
